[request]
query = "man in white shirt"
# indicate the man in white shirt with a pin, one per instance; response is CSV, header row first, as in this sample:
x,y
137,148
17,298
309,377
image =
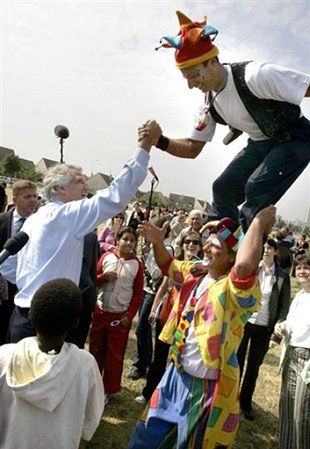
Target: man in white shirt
x,y
25,204
259,98
56,231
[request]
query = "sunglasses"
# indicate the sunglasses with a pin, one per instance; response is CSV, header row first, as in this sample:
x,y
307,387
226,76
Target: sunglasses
x,y
194,242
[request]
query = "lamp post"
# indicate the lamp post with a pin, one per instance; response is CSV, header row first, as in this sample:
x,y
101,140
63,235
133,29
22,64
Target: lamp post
x,y
63,133
92,166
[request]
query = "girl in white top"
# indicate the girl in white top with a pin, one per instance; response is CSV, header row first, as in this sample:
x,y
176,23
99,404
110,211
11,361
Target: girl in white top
x,y
294,417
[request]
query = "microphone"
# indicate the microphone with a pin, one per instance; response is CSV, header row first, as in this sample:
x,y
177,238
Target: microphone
x,y
61,131
152,171
13,245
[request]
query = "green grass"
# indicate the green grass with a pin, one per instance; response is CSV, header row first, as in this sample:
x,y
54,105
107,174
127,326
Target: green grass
x,y
121,413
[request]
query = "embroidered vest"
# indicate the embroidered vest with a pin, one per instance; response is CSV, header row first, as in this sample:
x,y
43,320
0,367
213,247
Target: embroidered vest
x,y
274,118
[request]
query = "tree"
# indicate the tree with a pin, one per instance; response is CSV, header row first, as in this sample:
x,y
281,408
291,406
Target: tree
x,y
280,222
30,173
11,165
306,230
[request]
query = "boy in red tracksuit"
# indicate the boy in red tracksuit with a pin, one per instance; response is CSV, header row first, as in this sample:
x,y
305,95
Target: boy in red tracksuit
x,y
120,281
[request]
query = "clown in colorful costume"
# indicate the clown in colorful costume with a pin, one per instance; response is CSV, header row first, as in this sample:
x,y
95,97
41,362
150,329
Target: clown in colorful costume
x,y
259,98
195,406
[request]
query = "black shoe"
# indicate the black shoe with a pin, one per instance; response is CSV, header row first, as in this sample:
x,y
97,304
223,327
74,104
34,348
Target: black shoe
x,y
135,374
248,414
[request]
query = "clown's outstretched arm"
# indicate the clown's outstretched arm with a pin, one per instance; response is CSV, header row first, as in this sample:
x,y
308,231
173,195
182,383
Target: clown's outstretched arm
x,y
250,251
185,148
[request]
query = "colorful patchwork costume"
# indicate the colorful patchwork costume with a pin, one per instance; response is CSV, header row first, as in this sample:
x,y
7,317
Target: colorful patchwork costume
x,y
200,413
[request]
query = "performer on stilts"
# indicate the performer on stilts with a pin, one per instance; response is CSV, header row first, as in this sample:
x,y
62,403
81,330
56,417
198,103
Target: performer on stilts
x,y
259,98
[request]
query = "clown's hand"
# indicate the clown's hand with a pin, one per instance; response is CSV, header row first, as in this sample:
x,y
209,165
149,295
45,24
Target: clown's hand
x,y
198,269
151,232
267,218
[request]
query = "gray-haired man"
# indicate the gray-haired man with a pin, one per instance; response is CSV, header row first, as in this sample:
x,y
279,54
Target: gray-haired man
x,y
56,231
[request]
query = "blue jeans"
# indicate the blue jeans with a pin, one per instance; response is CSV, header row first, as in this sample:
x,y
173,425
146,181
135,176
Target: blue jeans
x,y
260,175
144,334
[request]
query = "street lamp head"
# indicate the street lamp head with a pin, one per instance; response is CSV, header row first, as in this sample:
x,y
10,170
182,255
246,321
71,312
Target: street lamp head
x,y
61,131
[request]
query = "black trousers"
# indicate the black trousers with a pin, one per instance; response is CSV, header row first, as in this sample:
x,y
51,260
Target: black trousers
x,y
258,338
144,334
7,307
260,175
158,365
78,335
20,325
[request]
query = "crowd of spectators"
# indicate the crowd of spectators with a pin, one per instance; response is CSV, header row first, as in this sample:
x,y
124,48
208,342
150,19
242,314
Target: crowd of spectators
x,y
119,278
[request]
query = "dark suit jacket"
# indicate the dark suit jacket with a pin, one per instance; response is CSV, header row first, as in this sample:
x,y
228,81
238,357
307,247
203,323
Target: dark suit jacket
x,y
2,198
87,282
5,227
5,233
280,300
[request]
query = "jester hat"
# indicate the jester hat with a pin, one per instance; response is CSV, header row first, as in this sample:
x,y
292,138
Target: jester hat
x,y
193,43
228,231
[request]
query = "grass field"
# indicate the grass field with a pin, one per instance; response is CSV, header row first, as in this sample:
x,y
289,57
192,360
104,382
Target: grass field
x,y
122,411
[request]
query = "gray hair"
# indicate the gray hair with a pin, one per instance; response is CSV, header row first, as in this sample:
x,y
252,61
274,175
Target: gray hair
x,y
58,175
195,212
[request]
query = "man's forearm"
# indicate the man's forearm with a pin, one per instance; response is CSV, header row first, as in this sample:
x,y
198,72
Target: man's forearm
x,y
185,148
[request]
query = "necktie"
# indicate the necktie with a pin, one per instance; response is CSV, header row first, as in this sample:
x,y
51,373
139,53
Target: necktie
x,y
20,223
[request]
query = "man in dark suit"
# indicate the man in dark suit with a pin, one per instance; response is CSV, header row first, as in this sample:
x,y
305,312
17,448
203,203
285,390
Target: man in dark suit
x,y
25,203
136,217
87,284
2,198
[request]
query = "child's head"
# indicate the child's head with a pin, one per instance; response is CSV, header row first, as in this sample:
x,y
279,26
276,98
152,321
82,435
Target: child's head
x,y
302,260
126,240
55,308
302,264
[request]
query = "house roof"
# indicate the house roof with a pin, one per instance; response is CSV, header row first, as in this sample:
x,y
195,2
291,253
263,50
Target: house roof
x,y
48,162
5,151
26,162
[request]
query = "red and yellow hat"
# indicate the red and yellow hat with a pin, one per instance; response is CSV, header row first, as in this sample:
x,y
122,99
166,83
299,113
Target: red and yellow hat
x,y
193,43
228,231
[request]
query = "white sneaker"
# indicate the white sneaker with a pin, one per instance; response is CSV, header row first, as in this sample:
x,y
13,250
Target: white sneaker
x,y
106,398
140,399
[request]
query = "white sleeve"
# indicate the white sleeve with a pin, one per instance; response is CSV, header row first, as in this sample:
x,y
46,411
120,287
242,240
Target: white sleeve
x,y
272,81
8,269
89,213
95,401
205,135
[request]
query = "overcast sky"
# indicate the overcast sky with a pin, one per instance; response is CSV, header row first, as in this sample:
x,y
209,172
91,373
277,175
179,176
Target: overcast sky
x,y
92,67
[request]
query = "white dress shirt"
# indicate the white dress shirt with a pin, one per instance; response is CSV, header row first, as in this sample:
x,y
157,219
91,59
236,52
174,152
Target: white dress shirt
x,y
16,224
267,278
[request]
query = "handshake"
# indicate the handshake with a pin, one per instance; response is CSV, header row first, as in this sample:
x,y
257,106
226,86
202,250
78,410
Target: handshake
x,y
148,134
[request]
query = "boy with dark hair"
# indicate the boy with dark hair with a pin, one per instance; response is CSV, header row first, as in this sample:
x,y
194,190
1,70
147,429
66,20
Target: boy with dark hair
x,y
50,390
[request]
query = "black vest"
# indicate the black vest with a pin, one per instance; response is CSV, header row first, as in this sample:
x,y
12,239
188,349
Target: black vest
x,y
275,118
